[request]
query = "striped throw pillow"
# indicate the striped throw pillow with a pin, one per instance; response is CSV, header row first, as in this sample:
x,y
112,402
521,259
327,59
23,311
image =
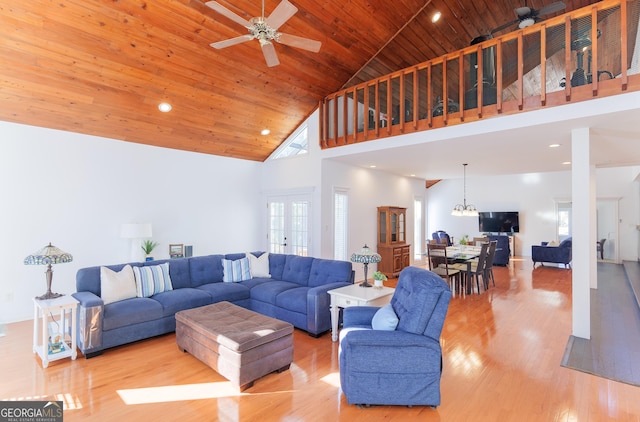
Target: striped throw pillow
x,y
152,279
237,270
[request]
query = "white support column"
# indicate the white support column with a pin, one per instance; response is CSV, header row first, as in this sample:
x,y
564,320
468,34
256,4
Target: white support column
x,y
583,231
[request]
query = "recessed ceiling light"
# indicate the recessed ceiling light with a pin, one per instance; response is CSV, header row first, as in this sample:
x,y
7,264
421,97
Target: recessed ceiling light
x,y
554,145
436,17
265,132
372,166
566,163
164,107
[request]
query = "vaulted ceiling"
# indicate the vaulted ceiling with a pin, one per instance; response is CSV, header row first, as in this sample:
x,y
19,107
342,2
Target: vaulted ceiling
x,y
101,67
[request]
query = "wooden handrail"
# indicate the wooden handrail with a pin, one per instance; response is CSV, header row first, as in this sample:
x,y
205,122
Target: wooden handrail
x,y
404,110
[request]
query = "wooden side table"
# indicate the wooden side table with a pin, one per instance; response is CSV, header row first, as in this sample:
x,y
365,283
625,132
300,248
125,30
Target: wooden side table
x,y
43,311
355,295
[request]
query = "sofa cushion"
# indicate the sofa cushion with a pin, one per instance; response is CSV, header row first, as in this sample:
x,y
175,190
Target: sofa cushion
x,y
130,311
178,271
276,265
259,265
293,299
566,243
267,292
231,292
236,270
180,299
205,269
152,279
115,286
325,271
297,269
385,319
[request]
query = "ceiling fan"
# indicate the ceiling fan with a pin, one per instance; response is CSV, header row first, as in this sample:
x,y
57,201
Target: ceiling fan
x,y
526,16
265,30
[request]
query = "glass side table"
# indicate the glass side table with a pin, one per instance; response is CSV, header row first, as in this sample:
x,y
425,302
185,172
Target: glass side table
x,y
49,334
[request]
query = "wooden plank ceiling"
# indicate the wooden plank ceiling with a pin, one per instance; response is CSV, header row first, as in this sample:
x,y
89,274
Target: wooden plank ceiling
x,y
101,67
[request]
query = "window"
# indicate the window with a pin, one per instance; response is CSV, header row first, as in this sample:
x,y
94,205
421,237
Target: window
x,y
295,145
340,227
418,229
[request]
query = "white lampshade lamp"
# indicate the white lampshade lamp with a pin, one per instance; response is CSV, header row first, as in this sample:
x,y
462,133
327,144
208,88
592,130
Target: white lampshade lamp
x,y
136,232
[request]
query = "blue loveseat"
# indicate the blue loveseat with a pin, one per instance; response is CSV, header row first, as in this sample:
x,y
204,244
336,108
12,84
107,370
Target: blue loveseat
x,y
560,254
296,292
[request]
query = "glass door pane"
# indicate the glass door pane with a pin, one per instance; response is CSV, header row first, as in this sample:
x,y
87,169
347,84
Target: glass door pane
x,y
288,224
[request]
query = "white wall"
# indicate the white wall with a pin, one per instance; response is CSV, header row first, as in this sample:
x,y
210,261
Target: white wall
x,y
367,190
534,195
621,183
76,190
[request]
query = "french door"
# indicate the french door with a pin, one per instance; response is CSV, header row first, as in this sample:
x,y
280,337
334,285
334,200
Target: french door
x,y
289,223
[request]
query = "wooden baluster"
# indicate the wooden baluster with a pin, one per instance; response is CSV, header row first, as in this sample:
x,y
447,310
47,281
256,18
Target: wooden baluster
x,y
499,75
543,64
520,71
623,44
567,57
594,50
429,97
461,84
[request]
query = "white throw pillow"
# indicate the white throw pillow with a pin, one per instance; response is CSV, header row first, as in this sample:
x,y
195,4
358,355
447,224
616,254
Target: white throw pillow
x,y
553,243
259,266
116,286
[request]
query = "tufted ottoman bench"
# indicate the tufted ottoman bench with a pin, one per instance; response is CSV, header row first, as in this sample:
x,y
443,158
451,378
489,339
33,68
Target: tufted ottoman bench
x,y
239,344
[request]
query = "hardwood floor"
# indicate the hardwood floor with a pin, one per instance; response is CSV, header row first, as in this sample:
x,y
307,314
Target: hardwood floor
x,y
502,354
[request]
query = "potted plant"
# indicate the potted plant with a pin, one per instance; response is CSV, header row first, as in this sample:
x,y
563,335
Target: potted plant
x,y
378,278
148,246
464,240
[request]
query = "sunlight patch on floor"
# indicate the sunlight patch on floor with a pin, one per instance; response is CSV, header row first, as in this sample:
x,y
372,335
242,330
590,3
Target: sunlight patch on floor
x,y
332,379
69,401
169,393
464,362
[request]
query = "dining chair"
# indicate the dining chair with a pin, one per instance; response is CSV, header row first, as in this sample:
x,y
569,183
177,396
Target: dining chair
x,y
600,248
440,265
475,268
479,240
488,268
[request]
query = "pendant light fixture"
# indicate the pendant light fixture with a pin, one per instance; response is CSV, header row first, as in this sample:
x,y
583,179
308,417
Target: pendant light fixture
x,y
464,209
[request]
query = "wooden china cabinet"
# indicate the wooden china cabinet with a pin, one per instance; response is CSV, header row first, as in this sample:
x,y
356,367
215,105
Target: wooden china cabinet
x,y
392,240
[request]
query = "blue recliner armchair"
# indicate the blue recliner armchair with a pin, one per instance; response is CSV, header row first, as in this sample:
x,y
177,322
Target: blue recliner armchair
x,y
560,254
401,366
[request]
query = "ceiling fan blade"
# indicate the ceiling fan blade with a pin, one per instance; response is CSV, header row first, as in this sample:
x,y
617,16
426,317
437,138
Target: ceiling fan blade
x,y
299,42
281,14
522,11
504,26
231,41
228,13
551,8
269,52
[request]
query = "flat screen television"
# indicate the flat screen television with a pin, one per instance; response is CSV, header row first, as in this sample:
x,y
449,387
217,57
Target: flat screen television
x,y
499,222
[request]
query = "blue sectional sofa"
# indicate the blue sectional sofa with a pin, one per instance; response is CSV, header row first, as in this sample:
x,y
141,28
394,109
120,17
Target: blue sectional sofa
x,y
295,290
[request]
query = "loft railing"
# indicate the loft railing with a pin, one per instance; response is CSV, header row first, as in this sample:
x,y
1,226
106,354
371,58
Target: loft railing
x,y
521,71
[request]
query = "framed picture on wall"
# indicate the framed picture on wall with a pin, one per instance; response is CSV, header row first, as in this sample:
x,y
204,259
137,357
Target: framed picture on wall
x,y
176,250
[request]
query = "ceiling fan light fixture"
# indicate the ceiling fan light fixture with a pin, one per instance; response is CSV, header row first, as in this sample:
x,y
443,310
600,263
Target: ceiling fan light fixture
x,y
524,23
